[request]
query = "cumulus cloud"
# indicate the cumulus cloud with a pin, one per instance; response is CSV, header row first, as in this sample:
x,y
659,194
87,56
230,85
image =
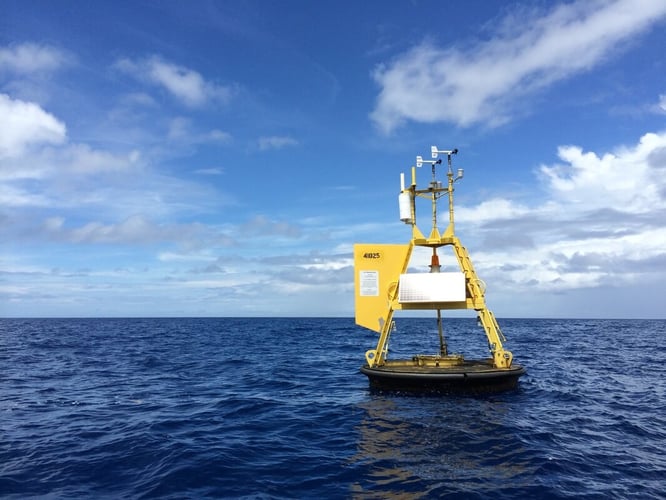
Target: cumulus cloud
x,y
495,208
483,81
630,179
185,84
24,124
601,222
29,58
276,142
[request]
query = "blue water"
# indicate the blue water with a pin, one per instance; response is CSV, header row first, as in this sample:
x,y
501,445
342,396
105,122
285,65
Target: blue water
x,y
276,408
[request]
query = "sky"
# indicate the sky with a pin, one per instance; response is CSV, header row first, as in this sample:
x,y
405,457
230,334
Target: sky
x,y
221,158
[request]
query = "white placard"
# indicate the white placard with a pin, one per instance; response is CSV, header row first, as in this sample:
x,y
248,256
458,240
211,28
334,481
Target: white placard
x,y
369,283
432,287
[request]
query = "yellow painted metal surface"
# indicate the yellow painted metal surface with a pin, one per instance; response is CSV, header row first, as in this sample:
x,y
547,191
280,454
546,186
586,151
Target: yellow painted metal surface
x,y
377,269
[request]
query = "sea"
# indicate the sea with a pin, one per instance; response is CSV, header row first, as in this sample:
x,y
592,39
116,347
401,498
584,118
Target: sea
x,y
277,408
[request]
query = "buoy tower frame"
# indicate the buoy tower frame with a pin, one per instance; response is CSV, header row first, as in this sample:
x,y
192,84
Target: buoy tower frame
x,y
388,288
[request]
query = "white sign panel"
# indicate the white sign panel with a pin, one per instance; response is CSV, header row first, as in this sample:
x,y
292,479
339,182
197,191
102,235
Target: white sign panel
x,y
369,283
432,287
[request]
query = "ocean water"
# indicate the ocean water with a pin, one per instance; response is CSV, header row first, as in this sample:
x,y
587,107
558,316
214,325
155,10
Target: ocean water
x,y
276,408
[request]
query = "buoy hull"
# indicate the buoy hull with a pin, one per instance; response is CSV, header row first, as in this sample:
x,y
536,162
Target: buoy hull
x,y
470,377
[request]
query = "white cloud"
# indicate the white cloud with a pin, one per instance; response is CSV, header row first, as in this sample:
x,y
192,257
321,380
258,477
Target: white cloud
x,y
180,129
482,82
82,159
185,84
138,99
276,142
601,223
210,171
96,184
562,264
13,196
31,58
628,180
66,169
496,208
24,124
135,229
216,135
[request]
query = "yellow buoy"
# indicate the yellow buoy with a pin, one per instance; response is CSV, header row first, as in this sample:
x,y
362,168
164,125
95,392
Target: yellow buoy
x,y
383,286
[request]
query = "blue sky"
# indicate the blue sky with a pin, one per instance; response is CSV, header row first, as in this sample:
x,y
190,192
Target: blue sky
x,y
222,158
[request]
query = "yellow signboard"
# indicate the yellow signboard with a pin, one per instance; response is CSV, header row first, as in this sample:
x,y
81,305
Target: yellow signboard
x,y
377,270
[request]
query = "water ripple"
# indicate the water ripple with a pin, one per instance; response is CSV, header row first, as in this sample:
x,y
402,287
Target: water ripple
x,y
276,408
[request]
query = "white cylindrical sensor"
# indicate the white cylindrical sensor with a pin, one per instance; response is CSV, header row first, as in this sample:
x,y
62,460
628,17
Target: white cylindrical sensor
x,y
404,202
